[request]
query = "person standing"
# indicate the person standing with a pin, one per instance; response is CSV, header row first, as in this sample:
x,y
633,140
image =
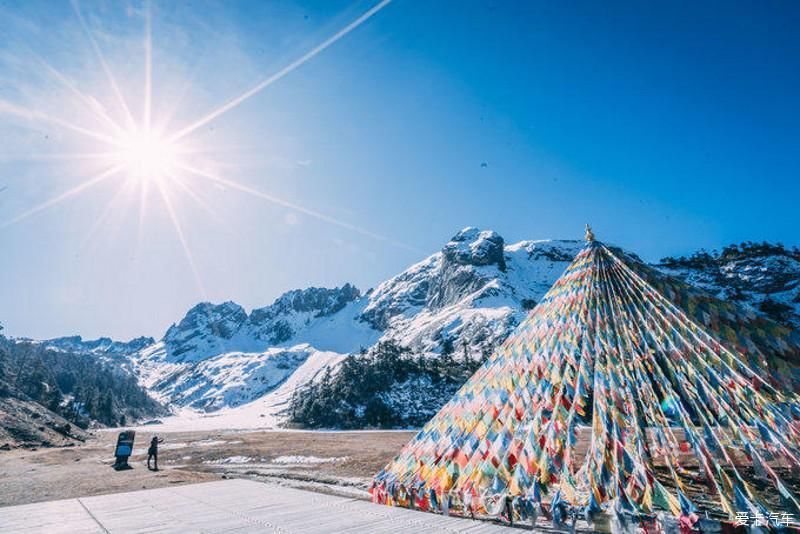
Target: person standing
x,y
152,453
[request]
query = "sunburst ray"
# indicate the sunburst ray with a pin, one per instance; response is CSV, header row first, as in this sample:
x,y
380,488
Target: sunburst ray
x,y
143,196
290,205
281,73
57,156
65,195
104,64
148,66
181,237
88,102
8,108
104,215
202,204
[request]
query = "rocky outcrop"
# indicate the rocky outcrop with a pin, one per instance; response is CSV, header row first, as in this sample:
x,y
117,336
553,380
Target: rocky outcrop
x,y
460,274
205,329
274,323
472,246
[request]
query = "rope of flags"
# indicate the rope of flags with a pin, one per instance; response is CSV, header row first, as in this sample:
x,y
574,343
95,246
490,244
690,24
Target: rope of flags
x,y
614,398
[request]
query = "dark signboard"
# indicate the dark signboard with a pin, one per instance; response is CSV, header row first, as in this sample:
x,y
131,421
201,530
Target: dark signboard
x,y
124,449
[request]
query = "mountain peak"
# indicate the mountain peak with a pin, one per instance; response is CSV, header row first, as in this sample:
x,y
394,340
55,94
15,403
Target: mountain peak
x,y
205,326
281,320
206,308
322,300
209,329
225,318
472,246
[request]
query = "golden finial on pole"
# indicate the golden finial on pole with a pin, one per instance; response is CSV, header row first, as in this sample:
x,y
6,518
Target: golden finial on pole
x,y
589,234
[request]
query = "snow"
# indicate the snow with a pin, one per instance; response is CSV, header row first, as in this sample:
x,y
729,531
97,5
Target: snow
x,y
215,442
231,460
341,332
307,460
263,413
171,446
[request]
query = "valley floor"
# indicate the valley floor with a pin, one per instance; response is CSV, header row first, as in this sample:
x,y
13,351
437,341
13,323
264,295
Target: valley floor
x,y
340,463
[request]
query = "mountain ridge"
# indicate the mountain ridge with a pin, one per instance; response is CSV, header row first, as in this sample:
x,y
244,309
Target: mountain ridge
x,y
463,299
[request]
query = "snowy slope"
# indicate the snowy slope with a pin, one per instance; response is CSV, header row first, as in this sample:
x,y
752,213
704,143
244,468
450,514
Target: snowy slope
x,y
232,378
268,411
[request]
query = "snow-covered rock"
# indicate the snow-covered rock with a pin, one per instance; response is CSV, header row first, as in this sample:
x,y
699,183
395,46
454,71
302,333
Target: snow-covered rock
x,y
101,346
762,276
206,330
294,310
230,379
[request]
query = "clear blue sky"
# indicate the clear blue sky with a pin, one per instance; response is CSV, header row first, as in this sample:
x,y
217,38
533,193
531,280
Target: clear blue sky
x,y
669,126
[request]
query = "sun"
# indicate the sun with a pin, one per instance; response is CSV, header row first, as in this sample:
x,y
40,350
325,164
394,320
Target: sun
x,y
147,155
145,148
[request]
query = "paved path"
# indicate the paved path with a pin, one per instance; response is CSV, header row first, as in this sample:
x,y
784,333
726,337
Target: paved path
x,y
230,506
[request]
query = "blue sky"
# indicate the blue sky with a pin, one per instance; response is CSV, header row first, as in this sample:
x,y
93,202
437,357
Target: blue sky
x,y
669,126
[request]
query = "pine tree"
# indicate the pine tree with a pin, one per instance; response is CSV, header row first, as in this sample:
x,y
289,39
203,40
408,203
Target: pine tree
x,y
106,408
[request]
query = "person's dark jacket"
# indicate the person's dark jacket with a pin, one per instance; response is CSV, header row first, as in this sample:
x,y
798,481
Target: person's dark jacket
x,y
154,446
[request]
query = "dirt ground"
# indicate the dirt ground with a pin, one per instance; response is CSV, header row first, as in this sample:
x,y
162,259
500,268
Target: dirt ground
x,y
335,462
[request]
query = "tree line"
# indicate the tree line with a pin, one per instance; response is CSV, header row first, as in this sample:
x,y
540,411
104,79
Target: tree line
x,y
77,387
382,388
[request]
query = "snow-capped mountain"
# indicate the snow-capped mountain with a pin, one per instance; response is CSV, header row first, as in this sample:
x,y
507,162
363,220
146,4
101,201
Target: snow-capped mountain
x,y
241,368
474,291
468,296
219,356
212,329
763,276
206,330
